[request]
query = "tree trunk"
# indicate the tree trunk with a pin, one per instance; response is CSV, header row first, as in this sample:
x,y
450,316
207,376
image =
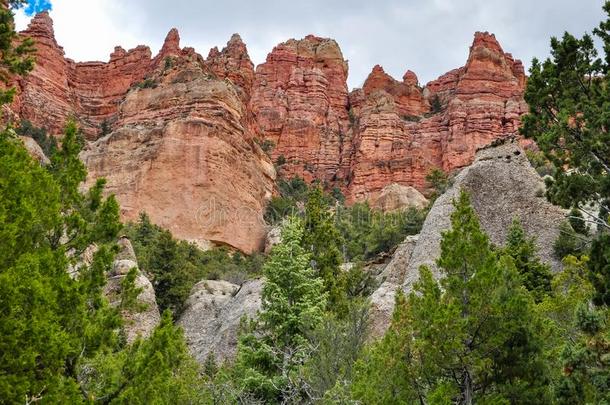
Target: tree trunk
x,y
467,393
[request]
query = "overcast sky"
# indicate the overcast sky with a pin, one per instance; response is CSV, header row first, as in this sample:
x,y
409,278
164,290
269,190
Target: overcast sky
x,y
429,37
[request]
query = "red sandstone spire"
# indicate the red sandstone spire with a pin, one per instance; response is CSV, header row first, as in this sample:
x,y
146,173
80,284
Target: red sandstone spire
x,y
171,45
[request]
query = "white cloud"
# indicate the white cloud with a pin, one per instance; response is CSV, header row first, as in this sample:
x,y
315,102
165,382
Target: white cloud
x,y
429,37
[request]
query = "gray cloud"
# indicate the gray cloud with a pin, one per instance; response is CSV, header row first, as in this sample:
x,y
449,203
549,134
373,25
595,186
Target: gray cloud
x,y
429,37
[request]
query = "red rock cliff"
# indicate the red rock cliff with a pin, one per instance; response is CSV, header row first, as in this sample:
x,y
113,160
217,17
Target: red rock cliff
x,y
59,88
477,103
300,103
182,129
180,147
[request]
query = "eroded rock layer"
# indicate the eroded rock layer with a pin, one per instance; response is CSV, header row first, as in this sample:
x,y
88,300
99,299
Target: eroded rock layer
x,y
180,152
175,133
469,108
300,102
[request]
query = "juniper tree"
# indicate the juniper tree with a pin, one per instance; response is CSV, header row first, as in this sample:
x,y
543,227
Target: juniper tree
x,y
536,275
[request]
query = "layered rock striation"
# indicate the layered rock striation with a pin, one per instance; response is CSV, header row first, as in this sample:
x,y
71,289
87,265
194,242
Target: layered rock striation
x,y
181,152
468,108
176,134
300,103
59,88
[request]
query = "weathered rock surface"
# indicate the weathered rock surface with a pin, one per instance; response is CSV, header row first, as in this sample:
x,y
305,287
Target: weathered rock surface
x,y
233,63
59,88
299,100
502,186
182,153
212,316
34,150
408,96
179,142
479,103
274,236
392,276
396,197
138,321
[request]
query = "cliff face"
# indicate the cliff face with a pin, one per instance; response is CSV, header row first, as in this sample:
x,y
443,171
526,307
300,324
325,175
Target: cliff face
x,y
462,110
389,131
300,103
178,144
179,131
181,152
58,88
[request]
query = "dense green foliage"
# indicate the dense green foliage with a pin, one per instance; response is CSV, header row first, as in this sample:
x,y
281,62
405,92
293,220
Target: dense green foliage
x,y
438,180
54,325
49,320
292,193
536,276
363,232
485,325
540,163
569,99
176,266
338,343
156,370
321,239
472,338
293,304
367,232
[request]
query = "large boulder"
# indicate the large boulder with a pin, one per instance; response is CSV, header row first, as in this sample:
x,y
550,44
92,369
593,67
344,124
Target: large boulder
x,y
213,314
396,197
502,186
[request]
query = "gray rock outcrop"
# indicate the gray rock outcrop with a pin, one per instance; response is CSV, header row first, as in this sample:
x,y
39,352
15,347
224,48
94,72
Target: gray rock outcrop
x,y
392,276
397,197
502,185
212,316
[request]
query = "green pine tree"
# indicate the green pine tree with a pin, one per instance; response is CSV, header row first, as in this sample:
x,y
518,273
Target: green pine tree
x,y
569,98
536,275
322,240
50,321
155,370
293,304
385,373
476,335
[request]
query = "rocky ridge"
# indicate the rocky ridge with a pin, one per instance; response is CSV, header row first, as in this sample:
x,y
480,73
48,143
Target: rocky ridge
x,y
169,131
